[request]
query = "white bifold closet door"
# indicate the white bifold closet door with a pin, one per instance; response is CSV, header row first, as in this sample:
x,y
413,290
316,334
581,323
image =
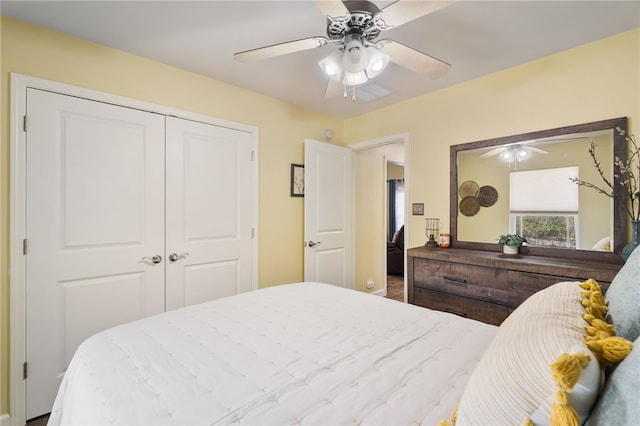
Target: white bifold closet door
x,y
208,190
113,194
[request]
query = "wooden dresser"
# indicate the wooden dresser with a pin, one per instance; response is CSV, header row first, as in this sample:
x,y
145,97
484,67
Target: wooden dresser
x,y
488,286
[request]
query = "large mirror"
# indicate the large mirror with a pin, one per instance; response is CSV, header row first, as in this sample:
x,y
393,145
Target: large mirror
x,y
521,184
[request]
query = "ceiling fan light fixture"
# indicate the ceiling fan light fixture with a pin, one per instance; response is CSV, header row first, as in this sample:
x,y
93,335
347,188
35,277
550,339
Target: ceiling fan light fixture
x,y
332,66
354,64
355,57
355,78
378,61
331,69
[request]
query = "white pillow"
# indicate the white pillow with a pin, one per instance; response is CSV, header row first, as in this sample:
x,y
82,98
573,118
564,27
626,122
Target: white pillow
x,y
603,245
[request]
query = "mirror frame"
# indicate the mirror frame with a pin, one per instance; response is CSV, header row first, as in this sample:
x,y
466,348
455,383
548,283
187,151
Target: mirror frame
x,y
620,219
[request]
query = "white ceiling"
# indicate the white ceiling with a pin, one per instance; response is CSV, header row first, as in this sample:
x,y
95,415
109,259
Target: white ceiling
x,y
476,37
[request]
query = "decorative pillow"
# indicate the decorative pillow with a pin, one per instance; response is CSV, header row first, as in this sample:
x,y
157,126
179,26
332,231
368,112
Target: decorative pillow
x,y
619,402
623,299
544,365
603,245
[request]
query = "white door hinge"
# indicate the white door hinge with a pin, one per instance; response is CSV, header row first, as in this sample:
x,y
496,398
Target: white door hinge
x,y
24,370
24,123
24,246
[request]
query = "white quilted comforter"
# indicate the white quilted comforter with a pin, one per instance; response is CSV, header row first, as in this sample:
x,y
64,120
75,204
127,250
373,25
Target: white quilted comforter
x,y
303,353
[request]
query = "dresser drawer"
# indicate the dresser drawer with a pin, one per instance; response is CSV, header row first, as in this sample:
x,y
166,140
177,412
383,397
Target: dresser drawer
x,y
477,282
463,306
523,284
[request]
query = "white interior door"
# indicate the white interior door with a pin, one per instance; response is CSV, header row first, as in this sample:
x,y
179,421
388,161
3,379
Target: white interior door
x,y
328,218
95,219
209,208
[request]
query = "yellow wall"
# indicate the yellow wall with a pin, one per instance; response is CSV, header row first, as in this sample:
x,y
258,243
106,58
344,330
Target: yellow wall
x,y
593,82
395,171
370,219
38,52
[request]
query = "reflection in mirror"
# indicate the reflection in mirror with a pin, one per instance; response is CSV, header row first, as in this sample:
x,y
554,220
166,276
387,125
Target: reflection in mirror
x,y
535,197
521,184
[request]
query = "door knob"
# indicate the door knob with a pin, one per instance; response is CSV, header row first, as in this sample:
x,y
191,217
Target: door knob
x,y
313,244
174,256
155,259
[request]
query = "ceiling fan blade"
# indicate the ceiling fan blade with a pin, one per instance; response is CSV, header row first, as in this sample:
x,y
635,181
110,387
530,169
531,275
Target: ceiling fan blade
x,y
493,152
415,60
564,139
401,12
332,8
538,150
280,49
334,89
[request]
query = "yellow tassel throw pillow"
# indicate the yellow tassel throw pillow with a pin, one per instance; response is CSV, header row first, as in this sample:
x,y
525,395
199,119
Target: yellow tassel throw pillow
x,y
544,367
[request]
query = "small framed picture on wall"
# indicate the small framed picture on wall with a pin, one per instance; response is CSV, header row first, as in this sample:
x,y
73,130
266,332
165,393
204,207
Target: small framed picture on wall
x,y
297,180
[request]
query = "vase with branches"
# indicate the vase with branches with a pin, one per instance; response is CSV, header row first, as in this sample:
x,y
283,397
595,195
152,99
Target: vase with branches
x,y
627,174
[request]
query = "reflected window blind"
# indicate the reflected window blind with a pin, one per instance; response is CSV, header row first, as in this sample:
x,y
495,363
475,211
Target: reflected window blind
x,y
547,190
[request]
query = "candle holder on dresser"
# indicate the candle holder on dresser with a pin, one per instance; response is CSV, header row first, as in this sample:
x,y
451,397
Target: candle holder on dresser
x,y
431,230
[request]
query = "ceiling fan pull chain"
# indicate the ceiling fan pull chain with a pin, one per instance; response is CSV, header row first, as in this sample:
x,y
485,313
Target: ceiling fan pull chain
x,y
353,91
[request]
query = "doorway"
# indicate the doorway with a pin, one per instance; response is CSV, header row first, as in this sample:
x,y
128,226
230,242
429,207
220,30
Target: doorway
x,y
395,207
372,230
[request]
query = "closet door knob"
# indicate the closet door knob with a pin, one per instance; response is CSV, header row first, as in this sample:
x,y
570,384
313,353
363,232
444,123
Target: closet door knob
x,y
175,256
155,259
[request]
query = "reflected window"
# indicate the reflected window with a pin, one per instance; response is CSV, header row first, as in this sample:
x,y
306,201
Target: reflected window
x,y
544,207
553,230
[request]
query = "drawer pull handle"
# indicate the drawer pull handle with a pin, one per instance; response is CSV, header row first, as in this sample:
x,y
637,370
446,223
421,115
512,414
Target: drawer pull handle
x,y
454,279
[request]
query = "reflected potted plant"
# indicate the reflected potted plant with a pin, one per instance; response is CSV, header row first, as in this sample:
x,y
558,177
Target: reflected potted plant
x,y
511,243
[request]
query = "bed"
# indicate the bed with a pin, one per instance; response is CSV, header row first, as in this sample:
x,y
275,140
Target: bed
x,y
312,353
300,353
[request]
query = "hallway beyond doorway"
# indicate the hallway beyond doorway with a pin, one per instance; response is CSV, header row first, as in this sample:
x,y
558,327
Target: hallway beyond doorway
x,y
395,288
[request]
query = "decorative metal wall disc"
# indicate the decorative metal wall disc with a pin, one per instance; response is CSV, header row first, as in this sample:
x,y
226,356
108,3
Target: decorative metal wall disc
x,y
469,206
468,189
487,196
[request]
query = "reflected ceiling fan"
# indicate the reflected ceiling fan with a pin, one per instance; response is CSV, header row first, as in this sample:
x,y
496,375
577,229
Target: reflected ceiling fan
x,y
514,153
522,150
354,26
514,150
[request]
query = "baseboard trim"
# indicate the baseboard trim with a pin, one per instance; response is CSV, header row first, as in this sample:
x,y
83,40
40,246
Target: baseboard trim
x,y
5,420
382,292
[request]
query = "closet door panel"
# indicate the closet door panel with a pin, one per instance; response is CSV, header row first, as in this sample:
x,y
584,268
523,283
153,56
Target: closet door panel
x,y
95,203
208,190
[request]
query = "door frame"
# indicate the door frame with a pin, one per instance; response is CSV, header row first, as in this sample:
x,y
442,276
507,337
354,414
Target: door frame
x,y
389,140
17,200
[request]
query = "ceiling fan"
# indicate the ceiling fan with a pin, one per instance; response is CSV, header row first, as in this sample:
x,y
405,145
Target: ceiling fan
x,y
514,150
354,26
522,150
